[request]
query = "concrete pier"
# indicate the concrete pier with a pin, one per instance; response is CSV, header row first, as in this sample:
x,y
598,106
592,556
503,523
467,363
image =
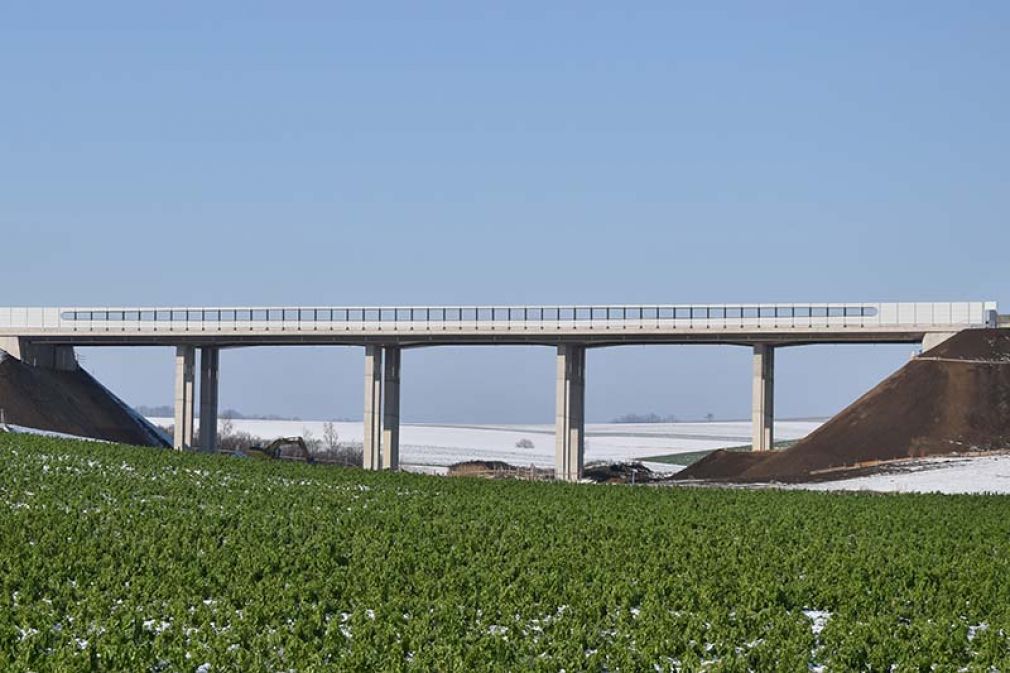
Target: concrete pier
x,y
372,456
763,407
390,446
209,365
569,432
185,398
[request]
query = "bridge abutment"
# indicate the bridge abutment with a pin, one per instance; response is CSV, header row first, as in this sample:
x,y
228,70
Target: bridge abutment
x,y
46,356
569,431
185,397
934,339
763,402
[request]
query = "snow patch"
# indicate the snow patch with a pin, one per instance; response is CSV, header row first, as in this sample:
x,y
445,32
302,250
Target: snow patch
x,y
25,430
972,474
818,620
975,629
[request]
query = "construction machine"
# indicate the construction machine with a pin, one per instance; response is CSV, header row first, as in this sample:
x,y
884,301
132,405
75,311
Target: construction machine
x,y
282,448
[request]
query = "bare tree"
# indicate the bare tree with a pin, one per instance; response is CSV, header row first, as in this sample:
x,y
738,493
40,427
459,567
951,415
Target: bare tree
x,y
331,440
311,443
230,440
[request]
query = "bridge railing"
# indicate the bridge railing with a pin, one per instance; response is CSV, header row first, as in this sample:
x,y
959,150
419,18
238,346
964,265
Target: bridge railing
x,y
479,318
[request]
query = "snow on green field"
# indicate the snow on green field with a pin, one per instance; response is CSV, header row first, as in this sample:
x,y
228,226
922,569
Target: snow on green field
x,y
437,446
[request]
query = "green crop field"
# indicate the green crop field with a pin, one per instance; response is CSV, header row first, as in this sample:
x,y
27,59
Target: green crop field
x,y
125,559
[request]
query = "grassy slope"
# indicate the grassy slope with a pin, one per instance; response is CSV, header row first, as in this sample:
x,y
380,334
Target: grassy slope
x,y
692,457
124,559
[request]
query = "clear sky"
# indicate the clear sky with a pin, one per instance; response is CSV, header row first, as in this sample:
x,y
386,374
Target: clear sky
x,y
323,153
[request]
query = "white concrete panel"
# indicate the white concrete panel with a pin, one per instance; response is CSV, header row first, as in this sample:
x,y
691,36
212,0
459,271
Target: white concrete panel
x,y
977,312
51,318
960,313
19,317
908,312
941,313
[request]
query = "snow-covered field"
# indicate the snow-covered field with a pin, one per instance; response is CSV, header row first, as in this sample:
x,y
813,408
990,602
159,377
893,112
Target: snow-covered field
x,y
436,446
981,474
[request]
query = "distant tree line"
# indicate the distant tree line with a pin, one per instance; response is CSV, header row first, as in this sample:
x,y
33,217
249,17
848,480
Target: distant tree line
x,y
166,411
654,418
645,418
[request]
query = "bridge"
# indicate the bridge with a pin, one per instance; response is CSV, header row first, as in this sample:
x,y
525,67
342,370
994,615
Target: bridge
x,y
46,337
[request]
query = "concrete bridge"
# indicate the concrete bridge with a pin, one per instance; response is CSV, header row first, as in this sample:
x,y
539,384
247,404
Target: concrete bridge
x,y
47,336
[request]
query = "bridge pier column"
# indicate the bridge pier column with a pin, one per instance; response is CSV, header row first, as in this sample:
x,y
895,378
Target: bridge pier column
x,y
371,453
390,447
185,385
209,365
569,431
763,403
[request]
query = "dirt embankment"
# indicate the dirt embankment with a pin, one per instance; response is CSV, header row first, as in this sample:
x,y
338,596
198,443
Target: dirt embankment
x,y
69,402
721,465
954,398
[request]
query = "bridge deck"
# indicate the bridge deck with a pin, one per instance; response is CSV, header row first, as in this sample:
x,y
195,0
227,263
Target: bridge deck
x,y
419,325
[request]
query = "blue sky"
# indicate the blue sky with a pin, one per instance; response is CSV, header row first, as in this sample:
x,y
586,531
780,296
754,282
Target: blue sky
x,y
323,153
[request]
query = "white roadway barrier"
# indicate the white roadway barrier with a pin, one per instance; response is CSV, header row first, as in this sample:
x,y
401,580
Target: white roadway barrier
x,y
857,316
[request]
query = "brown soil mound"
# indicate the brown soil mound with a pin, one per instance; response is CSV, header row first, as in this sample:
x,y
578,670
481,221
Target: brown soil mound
x,y
478,468
990,345
497,469
723,465
954,398
73,403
